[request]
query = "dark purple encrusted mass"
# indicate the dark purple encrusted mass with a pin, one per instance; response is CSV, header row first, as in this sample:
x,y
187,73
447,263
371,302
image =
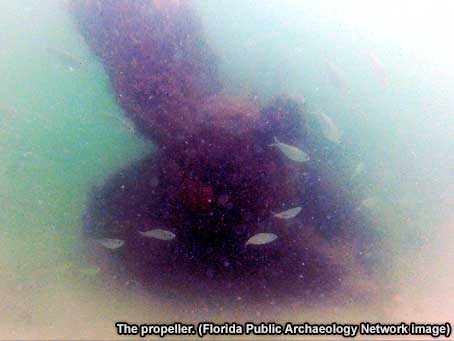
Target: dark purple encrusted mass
x,y
215,180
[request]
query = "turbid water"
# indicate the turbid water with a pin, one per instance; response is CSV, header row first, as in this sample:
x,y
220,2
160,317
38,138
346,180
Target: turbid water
x,y
389,93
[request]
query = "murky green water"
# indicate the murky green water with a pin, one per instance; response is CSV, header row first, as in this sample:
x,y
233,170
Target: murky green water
x,y
55,145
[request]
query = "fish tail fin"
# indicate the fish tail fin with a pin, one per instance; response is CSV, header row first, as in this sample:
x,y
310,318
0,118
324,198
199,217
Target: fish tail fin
x,y
275,141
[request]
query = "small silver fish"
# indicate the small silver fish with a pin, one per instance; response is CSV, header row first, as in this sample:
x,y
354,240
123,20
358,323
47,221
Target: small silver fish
x,y
378,69
261,239
126,124
369,203
358,170
158,234
288,214
336,78
72,268
129,126
291,152
329,129
88,271
66,58
110,243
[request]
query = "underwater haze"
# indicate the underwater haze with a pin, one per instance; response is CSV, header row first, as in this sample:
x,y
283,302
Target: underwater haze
x,y
381,74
